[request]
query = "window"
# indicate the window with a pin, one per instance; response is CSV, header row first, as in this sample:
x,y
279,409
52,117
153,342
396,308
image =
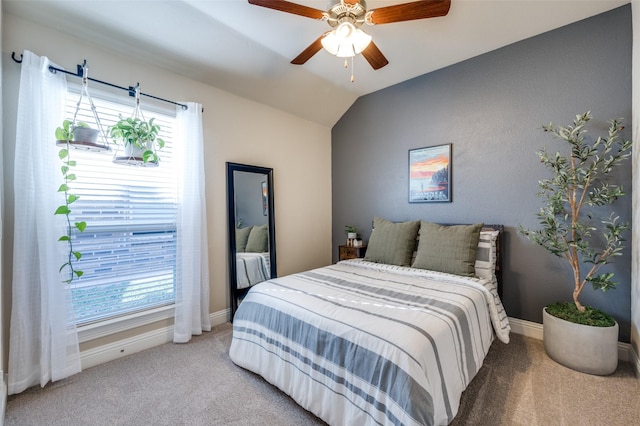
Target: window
x,y
129,246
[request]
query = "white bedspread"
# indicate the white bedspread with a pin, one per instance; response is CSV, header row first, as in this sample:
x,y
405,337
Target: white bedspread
x,y
362,343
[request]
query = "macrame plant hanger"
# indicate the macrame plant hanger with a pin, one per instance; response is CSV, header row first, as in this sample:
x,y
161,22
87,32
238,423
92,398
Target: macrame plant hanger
x,y
78,134
132,154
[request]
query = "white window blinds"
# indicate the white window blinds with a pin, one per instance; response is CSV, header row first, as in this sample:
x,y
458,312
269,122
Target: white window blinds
x,y
129,246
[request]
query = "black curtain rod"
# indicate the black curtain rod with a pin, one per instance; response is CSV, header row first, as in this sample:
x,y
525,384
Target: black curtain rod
x,y
130,89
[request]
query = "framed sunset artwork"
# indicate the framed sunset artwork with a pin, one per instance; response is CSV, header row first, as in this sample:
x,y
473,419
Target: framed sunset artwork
x,y
430,174
265,197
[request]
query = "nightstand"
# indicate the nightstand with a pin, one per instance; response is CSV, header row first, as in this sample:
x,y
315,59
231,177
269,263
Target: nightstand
x,y
348,252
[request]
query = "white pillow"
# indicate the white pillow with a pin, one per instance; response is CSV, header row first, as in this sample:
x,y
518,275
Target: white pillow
x,y
486,255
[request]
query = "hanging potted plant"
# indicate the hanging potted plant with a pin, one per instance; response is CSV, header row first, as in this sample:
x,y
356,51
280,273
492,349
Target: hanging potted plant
x,y
139,140
79,135
577,336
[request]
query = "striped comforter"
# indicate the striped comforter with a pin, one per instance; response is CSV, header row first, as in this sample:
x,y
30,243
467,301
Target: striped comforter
x,y
362,343
252,268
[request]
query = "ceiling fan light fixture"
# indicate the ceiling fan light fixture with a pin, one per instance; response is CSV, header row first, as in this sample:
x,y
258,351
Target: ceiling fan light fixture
x,y
353,14
346,40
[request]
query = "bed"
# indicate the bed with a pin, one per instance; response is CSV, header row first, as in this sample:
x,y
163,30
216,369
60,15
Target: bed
x,y
252,268
370,342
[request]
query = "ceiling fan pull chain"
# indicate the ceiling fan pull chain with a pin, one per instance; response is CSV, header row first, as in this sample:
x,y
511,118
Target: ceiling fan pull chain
x,y
352,68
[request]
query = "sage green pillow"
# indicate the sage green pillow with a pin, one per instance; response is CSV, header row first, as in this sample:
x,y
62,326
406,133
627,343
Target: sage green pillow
x,y
242,236
450,249
392,243
258,241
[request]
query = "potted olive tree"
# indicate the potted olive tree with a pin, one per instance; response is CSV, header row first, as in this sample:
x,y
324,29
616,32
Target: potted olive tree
x,y
139,140
577,336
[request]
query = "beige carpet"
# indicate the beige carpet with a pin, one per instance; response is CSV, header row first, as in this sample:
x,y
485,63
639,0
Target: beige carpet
x,y
197,384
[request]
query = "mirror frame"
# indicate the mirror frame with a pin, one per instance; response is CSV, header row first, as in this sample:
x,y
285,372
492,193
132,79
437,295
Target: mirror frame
x,y
235,293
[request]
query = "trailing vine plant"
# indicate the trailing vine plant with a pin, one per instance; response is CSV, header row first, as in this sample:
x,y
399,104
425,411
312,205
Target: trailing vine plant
x,y
68,176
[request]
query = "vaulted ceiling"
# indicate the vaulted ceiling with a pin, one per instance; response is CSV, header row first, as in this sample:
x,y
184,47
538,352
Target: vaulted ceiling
x,y
246,49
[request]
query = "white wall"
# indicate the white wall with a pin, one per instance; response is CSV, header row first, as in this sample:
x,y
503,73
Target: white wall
x,y
635,272
235,129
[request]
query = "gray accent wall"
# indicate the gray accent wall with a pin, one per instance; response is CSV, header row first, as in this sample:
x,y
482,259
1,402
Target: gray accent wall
x,y
491,109
248,191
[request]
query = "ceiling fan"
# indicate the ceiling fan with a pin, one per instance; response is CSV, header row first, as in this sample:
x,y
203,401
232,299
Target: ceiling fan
x,y
347,16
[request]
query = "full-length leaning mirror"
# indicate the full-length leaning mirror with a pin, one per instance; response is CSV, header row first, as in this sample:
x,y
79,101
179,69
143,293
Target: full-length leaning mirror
x,y
252,234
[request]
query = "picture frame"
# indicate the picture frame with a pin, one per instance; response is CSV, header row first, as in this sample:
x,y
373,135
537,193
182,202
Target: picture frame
x,y
430,174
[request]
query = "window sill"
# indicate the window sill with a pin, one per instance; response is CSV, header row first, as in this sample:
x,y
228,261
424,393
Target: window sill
x,y
100,329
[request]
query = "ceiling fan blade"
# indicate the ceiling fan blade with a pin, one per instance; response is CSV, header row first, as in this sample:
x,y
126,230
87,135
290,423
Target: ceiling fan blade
x,y
309,51
374,56
410,11
286,6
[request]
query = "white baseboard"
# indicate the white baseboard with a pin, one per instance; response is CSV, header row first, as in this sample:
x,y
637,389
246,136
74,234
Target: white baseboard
x,y
526,328
101,354
534,330
124,347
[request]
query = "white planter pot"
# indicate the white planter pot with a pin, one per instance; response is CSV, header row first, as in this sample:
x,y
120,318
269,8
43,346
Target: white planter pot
x,y
133,151
592,350
132,156
85,134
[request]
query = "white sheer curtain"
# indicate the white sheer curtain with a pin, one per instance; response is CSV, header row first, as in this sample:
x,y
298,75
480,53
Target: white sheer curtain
x,y
43,342
192,281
